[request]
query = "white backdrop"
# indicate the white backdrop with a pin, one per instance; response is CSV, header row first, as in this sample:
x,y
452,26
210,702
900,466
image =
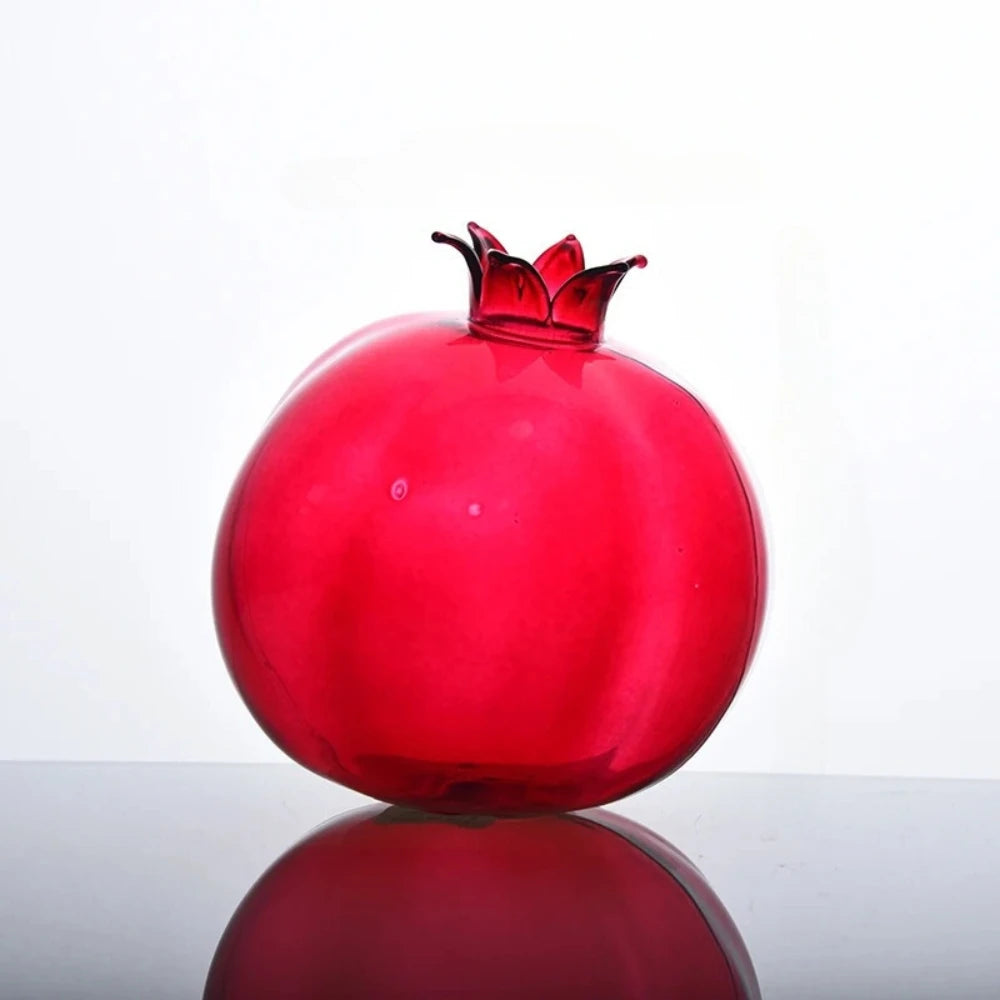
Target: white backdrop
x,y
197,198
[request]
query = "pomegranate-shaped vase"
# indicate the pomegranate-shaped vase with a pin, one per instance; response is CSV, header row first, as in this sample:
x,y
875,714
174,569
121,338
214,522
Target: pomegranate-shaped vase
x,y
487,564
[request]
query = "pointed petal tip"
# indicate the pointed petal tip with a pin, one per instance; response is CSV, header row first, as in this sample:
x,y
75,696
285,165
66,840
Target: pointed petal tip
x,y
454,241
483,240
639,260
560,262
471,259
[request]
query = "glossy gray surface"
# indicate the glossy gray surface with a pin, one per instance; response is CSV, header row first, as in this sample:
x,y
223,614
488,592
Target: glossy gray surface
x,y
117,880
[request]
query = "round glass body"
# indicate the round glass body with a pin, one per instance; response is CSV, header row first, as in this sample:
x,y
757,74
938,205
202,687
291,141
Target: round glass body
x,y
477,574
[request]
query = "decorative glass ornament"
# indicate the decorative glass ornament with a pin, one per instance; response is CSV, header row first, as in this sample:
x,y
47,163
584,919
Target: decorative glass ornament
x,y
488,564
395,904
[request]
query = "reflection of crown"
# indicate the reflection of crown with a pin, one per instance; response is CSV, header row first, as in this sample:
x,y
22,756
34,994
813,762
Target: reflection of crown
x,y
553,301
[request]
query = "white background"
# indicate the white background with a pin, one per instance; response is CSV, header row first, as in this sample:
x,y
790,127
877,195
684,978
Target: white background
x,y
196,199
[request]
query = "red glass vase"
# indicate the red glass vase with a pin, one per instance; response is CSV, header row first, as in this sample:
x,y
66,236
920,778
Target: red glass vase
x,y
391,904
487,564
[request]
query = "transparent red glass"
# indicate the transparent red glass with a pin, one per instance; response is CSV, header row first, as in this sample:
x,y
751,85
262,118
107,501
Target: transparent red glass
x,y
488,564
391,904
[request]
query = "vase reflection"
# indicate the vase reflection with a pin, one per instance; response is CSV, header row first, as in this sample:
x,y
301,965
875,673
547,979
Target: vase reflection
x,y
388,902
